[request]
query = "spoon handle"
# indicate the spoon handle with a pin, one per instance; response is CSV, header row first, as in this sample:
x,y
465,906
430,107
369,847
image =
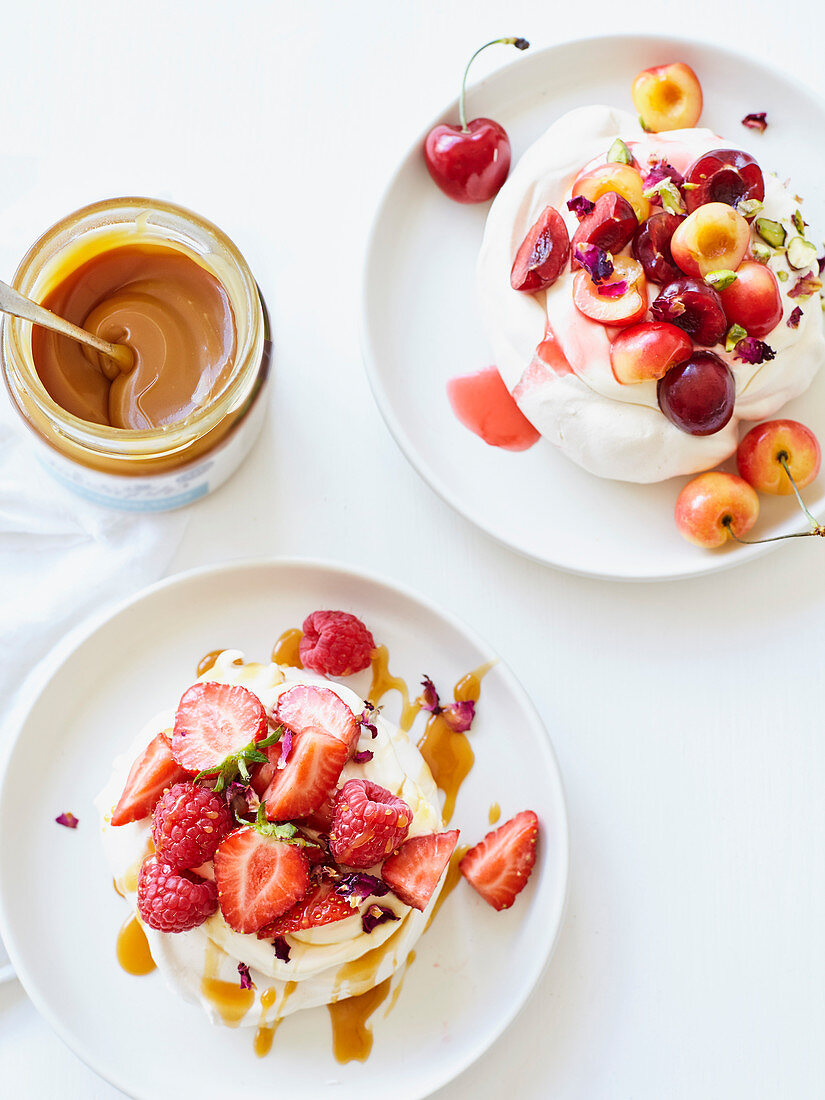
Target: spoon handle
x,y
11,301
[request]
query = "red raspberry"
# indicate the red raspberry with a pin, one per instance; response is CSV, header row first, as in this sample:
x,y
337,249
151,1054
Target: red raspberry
x,y
335,643
188,824
368,823
173,901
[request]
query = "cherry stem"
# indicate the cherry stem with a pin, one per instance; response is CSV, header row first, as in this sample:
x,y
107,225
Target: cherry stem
x,y
783,458
519,43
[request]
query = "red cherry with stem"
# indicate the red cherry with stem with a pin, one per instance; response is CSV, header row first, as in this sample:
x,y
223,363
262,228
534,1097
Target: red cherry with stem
x,y
470,162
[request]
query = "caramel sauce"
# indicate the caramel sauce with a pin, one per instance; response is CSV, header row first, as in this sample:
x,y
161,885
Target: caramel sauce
x,y
494,814
351,1037
129,883
117,888
396,993
451,878
266,1031
133,952
383,681
448,754
262,1044
285,651
230,1001
208,662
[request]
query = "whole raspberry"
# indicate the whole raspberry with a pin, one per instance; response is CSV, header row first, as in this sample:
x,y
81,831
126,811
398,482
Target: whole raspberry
x,y
368,823
173,901
188,824
335,643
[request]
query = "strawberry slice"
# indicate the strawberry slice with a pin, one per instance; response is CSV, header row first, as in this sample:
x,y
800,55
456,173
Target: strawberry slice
x,y
258,878
313,768
152,773
500,865
320,906
414,871
312,708
321,819
214,721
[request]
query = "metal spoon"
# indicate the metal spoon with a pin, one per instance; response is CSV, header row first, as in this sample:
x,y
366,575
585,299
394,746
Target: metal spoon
x,y
11,301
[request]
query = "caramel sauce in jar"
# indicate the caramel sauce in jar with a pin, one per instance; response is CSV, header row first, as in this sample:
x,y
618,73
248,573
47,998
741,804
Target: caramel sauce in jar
x,y
133,952
286,649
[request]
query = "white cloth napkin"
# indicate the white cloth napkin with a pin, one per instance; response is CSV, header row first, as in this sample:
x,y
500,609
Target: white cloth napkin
x,y
62,557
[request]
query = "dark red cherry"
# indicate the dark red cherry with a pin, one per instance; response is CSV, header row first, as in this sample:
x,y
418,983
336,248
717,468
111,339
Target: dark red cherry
x,y
698,395
609,225
693,306
542,254
651,247
723,175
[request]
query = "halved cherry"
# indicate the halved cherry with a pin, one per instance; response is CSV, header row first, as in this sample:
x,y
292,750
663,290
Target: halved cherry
x,y
651,246
609,225
619,300
542,254
624,179
713,238
648,350
723,175
753,301
693,306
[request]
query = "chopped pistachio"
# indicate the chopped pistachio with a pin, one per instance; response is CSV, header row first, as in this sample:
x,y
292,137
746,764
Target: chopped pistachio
x,y
644,125
669,195
770,231
761,252
618,153
690,186
801,253
782,276
735,334
799,222
719,280
748,207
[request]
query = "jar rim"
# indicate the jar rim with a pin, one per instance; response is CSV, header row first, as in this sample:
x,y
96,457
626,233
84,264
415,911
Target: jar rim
x,y
190,230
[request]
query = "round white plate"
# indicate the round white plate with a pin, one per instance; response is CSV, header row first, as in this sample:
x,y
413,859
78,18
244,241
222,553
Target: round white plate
x,y
420,322
59,914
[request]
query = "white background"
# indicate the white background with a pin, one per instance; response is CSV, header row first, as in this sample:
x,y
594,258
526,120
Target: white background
x,y
686,716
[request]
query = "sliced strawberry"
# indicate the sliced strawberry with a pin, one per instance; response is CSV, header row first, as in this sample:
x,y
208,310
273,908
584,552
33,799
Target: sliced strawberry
x,y
152,773
312,708
320,819
312,770
258,878
320,906
214,721
414,871
261,774
500,865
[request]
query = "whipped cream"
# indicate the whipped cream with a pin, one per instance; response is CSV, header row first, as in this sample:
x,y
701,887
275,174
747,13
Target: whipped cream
x,y
327,963
614,430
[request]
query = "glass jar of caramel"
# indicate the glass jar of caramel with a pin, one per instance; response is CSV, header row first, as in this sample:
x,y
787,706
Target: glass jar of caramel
x,y
181,423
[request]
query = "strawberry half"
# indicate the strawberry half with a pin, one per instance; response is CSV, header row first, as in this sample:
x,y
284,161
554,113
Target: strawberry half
x,y
320,906
152,773
305,707
312,769
258,878
414,871
214,721
500,865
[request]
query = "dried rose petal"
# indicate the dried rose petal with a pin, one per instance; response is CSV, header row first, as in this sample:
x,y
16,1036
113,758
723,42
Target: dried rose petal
x,y
68,819
581,206
429,696
375,915
820,261
368,712
795,317
357,886
805,286
363,756
281,949
751,350
246,981
286,749
596,262
756,120
661,170
614,290
459,716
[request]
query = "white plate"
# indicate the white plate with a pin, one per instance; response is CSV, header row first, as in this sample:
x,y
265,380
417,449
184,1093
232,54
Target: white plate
x,y
59,914
420,322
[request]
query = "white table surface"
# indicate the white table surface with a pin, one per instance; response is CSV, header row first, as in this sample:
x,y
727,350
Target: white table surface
x,y
685,715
